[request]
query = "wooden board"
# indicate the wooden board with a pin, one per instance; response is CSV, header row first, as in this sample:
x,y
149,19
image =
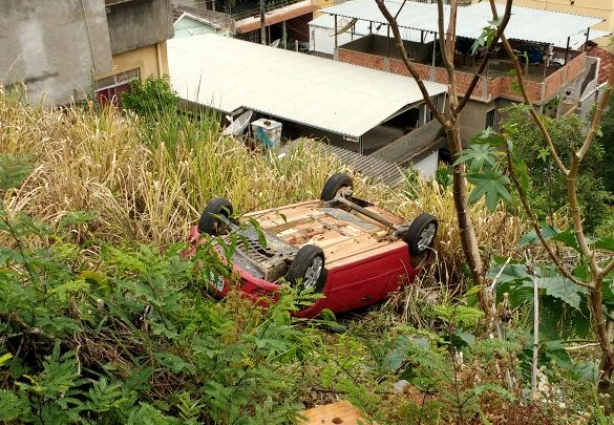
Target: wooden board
x,y
339,413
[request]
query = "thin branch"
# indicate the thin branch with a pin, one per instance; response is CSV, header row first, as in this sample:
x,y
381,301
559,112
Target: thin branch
x,y
404,57
527,101
572,189
447,44
489,49
535,223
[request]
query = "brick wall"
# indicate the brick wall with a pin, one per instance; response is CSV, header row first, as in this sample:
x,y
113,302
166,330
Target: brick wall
x,y
499,87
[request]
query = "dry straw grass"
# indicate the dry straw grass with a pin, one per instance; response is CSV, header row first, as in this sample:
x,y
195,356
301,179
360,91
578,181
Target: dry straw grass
x,y
97,161
152,191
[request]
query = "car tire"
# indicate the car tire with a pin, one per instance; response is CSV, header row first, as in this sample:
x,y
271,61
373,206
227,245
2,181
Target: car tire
x,y
333,184
307,269
421,233
209,221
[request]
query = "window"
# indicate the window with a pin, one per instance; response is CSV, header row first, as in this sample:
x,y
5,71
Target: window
x,y
108,89
490,119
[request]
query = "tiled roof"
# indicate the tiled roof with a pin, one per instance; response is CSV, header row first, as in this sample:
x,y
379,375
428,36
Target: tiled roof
x,y
606,62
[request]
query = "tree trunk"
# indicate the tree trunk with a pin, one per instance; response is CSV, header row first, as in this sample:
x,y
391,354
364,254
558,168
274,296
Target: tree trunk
x,y
606,367
468,239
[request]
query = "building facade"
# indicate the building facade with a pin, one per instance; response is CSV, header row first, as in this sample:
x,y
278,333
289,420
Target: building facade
x,y
138,31
67,51
558,77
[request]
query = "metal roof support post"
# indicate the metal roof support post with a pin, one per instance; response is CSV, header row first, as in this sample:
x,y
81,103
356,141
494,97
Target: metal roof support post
x,y
434,49
388,41
588,30
567,49
545,60
433,70
360,147
262,28
284,35
336,29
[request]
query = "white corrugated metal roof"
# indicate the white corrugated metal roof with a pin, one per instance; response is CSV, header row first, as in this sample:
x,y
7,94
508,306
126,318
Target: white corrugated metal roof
x,y
541,26
362,28
228,74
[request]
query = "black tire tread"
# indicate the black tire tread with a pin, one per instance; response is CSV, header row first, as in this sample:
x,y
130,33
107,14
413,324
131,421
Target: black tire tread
x,y
208,222
416,227
302,260
333,184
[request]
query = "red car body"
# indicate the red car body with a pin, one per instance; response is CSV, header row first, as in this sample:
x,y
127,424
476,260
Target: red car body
x,y
365,252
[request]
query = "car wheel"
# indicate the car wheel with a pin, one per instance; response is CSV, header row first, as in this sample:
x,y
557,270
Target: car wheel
x,y
421,234
333,184
307,269
209,221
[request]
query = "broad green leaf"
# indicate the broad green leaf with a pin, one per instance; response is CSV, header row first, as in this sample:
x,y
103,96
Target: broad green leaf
x,y
605,244
513,272
557,352
477,155
548,232
522,174
488,136
492,185
559,321
568,238
607,292
561,288
465,337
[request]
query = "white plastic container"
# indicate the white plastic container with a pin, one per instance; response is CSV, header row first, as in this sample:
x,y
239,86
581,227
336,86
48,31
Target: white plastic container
x,y
267,132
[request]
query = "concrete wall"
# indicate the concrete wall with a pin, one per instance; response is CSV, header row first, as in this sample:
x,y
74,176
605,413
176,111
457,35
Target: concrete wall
x,y
413,144
427,167
135,24
473,118
54,47
322,40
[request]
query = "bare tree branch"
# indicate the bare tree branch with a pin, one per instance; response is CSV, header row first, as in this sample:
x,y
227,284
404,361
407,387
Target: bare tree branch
x,y
538,231
525,96
572,189
401,47
489,49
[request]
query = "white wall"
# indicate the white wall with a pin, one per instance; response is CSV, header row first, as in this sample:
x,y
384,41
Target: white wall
x,y
428,166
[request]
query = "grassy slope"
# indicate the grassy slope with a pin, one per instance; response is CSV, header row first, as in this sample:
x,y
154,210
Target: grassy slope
x,y
150,186
147,186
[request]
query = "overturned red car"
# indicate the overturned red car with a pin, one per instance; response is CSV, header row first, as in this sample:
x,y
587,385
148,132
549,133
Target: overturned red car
x,y
352,252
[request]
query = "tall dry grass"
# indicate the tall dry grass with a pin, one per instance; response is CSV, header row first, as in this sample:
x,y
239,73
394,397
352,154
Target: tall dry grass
x,y
151,186
146,190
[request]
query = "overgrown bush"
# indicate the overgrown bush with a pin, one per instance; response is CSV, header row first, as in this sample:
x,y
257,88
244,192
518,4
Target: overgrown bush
x,y
548,190
129,335
150,97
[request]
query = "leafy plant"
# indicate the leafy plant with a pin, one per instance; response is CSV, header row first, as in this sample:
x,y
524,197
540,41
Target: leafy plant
x,y
151,97
129,334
